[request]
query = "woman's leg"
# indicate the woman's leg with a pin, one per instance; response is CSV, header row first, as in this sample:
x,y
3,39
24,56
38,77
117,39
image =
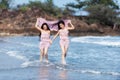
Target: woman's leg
x,y
66,47
46,54
63,54
41,54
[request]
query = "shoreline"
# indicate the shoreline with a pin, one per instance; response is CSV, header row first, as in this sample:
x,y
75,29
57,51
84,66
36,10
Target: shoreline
x,y
71,34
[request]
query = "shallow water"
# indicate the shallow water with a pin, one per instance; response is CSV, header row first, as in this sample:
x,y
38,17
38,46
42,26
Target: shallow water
x,y
88,58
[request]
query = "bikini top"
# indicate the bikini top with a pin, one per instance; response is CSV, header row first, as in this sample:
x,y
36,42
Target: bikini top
x,y
45,36
64,34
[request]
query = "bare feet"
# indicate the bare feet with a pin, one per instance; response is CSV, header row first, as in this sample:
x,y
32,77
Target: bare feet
x,y
46,61
40,60
63,62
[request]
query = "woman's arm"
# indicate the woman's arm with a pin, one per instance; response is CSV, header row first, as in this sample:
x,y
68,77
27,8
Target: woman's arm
x,y
55,36
37,26
72,27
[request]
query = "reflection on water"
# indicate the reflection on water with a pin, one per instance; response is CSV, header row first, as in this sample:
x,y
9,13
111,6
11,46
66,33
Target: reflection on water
x,y
50,73
44,73
63,75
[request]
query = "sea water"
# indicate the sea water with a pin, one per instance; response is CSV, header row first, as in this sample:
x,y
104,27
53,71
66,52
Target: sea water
x,y
88,58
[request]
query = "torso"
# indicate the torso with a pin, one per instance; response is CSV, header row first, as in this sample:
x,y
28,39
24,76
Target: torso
x,y
45,36
63,34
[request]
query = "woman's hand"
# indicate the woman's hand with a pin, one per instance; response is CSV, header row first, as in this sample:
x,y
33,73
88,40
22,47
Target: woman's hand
x,y
50,41
37,26
72,27
55,36
69,21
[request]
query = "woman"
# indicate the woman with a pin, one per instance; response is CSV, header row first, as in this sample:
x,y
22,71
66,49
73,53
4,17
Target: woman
x,y
45,40
64,40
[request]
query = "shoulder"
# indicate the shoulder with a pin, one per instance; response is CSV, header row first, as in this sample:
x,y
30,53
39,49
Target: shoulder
x,y
66,27
48,31
60,30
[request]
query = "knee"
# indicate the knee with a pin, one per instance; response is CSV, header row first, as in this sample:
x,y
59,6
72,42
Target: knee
x,y
63,54
42,54
45,54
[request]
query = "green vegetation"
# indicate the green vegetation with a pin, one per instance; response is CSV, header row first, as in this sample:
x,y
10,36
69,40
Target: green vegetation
x,y
87,3
102,14
5,4
100,11
47,6
23,8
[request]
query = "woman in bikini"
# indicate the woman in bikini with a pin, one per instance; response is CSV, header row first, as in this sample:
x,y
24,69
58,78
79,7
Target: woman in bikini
x,y
45,40
64,40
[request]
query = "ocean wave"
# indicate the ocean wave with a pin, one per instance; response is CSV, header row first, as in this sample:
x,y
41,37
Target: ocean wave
x,y
6,41
88,71
30,63
37,63
16,55
28,44
19,43
98,72
105,41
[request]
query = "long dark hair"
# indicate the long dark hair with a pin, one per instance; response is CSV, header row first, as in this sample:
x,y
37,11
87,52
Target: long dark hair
x,y
46,25
60,22
43,29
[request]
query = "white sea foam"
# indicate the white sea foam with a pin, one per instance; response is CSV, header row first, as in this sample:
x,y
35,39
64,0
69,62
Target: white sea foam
x,y
90,71
35,63
97,72
114,73
30,63
16,55
28,44
106,41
